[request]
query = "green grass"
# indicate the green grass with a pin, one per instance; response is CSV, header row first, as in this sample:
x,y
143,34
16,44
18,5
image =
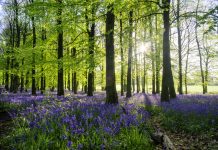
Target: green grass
x,y
197,89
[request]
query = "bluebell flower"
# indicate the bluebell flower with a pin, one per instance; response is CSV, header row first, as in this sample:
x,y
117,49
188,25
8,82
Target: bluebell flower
x,y
69,144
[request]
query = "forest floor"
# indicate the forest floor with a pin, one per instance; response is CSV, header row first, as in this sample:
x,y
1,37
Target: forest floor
x,y
182,140
182,137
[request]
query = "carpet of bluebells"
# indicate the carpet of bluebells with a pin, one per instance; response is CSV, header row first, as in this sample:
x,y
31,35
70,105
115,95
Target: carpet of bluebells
x,y
66,123
193,114
81,122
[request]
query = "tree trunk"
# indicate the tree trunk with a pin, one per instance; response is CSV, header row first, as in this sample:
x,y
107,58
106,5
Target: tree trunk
x,y
68,80
24,42
152,57
157,45
168,90
136,62
42,88
12,59
102,77
129,78
111,92
15,64
199,52
91,34
144,74
121,54
179,47
60,50
187,61
22,78
206,62
7,73
74,89
33,59
85,86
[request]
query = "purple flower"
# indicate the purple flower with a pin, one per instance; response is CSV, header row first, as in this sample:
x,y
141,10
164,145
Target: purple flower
x,y
69,144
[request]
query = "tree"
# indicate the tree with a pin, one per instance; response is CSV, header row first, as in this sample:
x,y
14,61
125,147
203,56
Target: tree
x,y
157,47
111,93
179,47
91,34
60,50
152,57
74,78
199,51
121,54
129,76
168,90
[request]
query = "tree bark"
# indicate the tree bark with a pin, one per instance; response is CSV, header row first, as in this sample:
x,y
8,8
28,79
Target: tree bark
x,y
157,47
179,47
136,62
111,92
144,74
60,50
152,57
24,42
187,61
74,78
91,34
129,76
42,88
121,55
168,90
199,51
33,58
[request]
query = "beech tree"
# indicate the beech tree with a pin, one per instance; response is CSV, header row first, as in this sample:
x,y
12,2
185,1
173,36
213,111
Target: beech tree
x,y
168,90
111,93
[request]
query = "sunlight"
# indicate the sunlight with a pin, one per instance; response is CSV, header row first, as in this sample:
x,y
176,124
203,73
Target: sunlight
x,y
143,47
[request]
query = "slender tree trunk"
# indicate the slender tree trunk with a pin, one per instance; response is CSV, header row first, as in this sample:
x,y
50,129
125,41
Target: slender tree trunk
x,y
22,74
102,77
136,62
7,72
22,78
199,52
206,75
168,90
206,62
68,73
133,78
186,63
33,58
91,34
42,88
152,57
129,78
74,78
157,47
85,86
12,35
179,47
144,74
111,92
60,50
121,54
17,45
68,80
